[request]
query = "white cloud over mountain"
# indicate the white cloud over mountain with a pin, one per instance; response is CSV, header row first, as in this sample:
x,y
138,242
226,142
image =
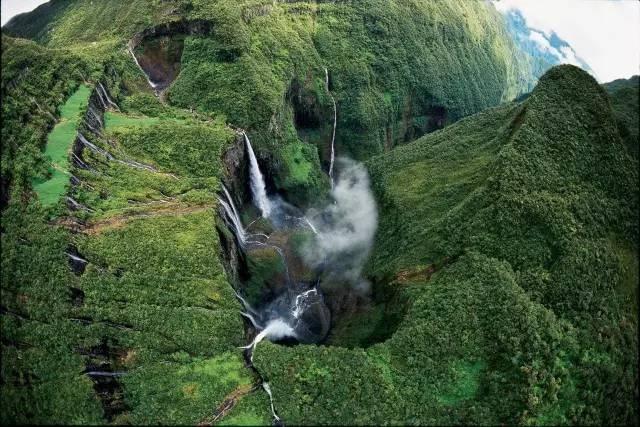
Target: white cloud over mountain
x,y
605,33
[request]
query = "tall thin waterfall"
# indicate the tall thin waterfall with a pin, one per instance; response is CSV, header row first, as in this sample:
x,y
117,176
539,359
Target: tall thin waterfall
x,y
258,187
234,217
152,84
106,95
335,119
102,101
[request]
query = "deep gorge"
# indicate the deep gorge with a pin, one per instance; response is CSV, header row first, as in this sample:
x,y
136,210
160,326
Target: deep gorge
x,y
311,213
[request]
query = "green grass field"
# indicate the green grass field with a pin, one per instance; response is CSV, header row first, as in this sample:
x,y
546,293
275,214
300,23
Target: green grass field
x,y
57,150
119,120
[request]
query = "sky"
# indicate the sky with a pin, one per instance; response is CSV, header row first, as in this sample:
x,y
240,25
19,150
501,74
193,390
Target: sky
x,y
10,8
605,33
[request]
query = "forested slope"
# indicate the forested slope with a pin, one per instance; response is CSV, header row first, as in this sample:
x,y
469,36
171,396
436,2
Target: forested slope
x,y
504,267
624,95
397,70
492,230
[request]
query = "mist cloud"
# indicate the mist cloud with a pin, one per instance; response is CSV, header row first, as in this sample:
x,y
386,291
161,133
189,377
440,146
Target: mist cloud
x,y
345,228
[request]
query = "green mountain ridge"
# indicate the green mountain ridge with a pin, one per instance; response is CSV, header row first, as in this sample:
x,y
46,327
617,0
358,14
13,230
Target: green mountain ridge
x,y
504,271
508,208
402,63
624,100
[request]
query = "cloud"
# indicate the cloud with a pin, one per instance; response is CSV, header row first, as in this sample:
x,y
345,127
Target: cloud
x,y
569,56
605,33
346,228
11,8
544,44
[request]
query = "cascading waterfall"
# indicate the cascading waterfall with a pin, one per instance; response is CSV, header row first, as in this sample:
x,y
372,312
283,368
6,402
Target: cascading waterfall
x,y
295,309
275,330
300,302
109,156
102,101
335,122
95,115
94,147
258,186
153,85
106,95
267,388
284,317
232,214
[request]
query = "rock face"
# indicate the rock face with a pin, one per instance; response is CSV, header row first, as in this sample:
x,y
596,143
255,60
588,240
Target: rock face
x,y
195,27
303,308
236,171
158,50
92,123
313,324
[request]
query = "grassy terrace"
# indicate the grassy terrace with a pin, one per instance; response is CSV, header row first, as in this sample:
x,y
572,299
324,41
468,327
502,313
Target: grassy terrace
x,y
119,120
59,142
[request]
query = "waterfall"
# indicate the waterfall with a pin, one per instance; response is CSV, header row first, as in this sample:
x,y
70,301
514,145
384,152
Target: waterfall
x,y
305,219
95,115
152,84
75,257
79,163
106,95
92,128
266,388
258,187
253,320
77,206
94,147
234,217
300,302
137,165
245,304
275,330
109,156
335,122
102,101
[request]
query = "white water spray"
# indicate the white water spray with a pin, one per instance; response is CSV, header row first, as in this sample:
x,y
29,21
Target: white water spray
x,y
335,122
346,228
258,186
300,302
276,329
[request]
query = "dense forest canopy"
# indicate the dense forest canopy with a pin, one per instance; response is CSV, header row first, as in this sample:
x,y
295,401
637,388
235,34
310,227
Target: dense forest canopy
x,y
173,177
